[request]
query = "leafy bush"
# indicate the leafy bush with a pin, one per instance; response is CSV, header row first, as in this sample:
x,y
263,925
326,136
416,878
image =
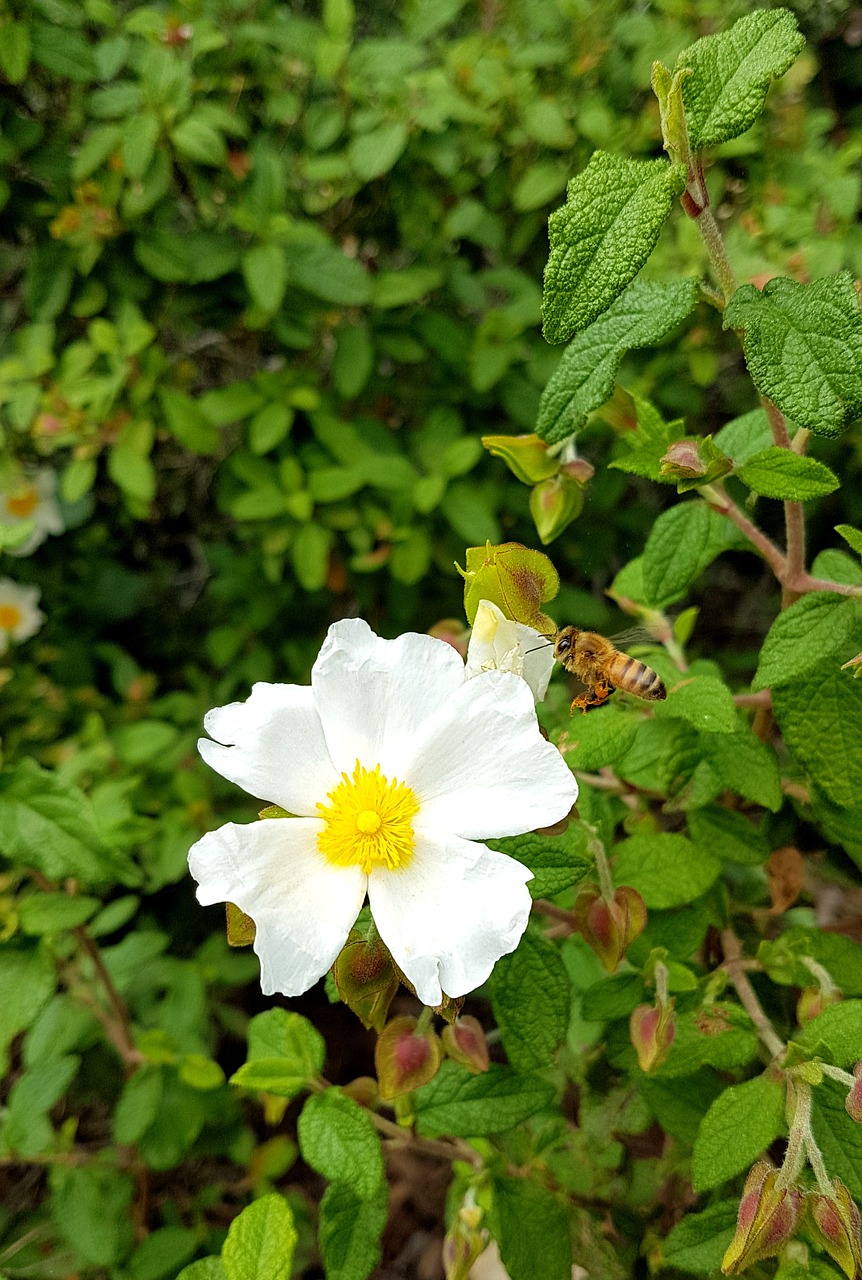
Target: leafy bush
x,y
271,275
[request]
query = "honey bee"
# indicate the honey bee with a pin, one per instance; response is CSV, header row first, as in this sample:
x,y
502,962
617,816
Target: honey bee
x,y
602,668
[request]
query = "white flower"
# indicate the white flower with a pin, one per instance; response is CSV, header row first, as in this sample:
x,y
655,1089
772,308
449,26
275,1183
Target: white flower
x,y
397,767
30,497
498,644
19,616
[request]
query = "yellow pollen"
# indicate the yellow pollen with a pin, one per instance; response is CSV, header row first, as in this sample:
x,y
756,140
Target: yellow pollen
x,y
368,821
10,617
23,503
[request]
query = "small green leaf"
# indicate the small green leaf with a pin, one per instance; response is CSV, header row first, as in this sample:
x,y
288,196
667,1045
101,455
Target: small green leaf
x,y
211,1268
853,537
804,634
27,1128
310,556
701,700
697,1245
468,1106
728,835
667,870
815,327
531,1226
196,139
397,288
55,912
557,862
820,716
350,1231
683,542
780,473
260,1242
338,1140
327,273
584,379
602,236
187,422
836,1033
594,741
14,51
373,154
743,437
285,1054
264,269
162,1252
732,72
269,426
739,1126
745,765
530,992
91,1205
63,52
140,135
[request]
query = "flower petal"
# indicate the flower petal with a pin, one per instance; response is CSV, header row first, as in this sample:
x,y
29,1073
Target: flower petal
x,y
538,660
372,694
274,747
449,916
480,768
303,906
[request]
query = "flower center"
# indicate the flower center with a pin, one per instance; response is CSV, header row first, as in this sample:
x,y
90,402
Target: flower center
x,y
368,821
10,617
22,503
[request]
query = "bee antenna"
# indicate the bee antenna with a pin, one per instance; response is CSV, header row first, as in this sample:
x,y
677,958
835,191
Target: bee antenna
x,y
538,647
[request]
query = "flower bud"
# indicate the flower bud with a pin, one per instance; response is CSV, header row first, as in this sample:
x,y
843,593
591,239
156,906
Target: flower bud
x,y
813,1000
653,1029
766,1220
835,1224
366,978
694,461
853,1101
405,1058
578,469
554,504
364,1091
527,457
464,1241
609,928
514,578
464,1041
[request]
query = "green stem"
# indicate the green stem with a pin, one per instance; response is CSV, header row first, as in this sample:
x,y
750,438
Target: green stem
x,y
732,948
799,1099
715,247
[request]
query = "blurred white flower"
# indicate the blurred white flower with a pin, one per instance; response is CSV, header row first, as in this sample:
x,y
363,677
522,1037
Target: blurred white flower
x,y
397,767
19,616
498,644
29,497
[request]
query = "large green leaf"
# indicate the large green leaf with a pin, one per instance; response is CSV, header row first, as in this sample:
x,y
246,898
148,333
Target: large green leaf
x,y
337,1139
742,1122
667,870
530,990
815,626
260,1242
532,1229
468,1106
820,716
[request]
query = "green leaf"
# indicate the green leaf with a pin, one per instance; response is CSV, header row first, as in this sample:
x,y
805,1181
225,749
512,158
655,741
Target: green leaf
x,y
260,1242
139,1104
680,1104
816,327
732,72
140,135
54,912
557,862
745,765
91,1208
698,1243
745,436
468,1106
840,956
594,741
803,635
853,537
49,825
27,979
373,154
27,1128
742,1122
820,716
264,269
196,139
530,993
188,257
703,701
531,1226
683,542
15,51
66,54
720,1036
204,1269
187,422
602,236
667,870
584,379
612,998
780,473
839,1137
350,1231
836,1033
338,1140
310,556
162,1252
325,272
269,426
397,288
285,1054
353,360
728,835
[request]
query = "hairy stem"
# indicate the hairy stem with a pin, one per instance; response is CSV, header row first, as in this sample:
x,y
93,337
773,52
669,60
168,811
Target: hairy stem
x,y
718,258
732,948
118,1026
720,501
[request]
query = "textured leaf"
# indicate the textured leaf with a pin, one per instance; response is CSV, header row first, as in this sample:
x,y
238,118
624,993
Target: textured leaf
x,y
839,1137
820,716
645,447
599,739
838,1032
803,348
557,862
532,1229
285,1054
679,1105
745,765
728,835
584,378
804,635
260,1242
91,1208
667,870
697,1245
350,1231
701,700
265,271
204,1269
337,1138
745,436
602,236
530,992
683,542
720,1036
468,1106
853,537
737,1129
780,473
732,72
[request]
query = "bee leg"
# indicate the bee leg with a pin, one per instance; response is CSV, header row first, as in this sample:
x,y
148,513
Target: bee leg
x,y
583,701
602,692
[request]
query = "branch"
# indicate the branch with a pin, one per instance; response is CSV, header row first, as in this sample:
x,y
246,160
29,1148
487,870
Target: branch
x,y
455,1149
118,1025
732,948
719,500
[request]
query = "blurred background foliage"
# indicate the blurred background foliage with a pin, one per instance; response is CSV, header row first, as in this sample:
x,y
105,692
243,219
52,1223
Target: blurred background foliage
x,y
269,272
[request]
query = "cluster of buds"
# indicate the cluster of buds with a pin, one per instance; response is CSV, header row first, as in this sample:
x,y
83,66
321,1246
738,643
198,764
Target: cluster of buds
x,y
409,1052
609,923
465,1240
558,482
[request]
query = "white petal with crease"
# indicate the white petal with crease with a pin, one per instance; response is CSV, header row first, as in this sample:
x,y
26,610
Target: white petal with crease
x,y
274,747
481,769
373,694
302,905
449,916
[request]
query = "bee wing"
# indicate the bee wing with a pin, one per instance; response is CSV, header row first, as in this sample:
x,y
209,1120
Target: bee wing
x,y
633,636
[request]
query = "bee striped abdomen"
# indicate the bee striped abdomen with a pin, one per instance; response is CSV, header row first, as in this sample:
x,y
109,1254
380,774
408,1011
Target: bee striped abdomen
x,y
636,677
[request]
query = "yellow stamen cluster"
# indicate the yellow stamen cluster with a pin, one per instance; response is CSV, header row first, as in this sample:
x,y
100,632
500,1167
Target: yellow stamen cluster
x,y
368,822
23,503
10,617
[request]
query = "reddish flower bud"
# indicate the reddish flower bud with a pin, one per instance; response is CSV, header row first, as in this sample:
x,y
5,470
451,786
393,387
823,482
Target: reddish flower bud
x,y
366,978
578,469
464,1041
652,1028
853,1101
364,1091
464,1241
694,461
527,457
766,1220
813,1000
609,928
835,1224
554,504
404,1058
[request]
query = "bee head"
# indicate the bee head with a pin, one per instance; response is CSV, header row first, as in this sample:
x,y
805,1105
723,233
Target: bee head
x,y
564,641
